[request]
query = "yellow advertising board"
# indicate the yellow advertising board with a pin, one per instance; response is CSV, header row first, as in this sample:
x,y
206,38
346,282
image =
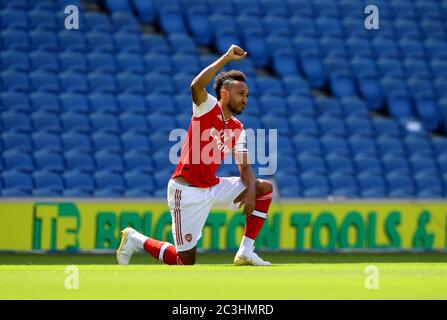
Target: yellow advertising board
x,y
300,226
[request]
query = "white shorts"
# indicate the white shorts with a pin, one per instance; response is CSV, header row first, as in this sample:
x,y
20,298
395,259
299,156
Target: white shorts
x,y
190,207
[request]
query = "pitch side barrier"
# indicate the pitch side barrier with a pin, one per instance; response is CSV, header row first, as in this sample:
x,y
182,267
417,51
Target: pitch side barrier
x,y
327,225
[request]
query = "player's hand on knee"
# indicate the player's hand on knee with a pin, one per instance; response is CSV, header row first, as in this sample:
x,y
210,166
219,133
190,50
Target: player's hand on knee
x,y
249,204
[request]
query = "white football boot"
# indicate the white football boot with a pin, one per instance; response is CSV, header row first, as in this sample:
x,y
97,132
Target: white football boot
x,y
126,248
249,259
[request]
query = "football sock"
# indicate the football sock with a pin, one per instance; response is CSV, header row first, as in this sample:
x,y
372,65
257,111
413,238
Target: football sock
x,y
255,221
163,251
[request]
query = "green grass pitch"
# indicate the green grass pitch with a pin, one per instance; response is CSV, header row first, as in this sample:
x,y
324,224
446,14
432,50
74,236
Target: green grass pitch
x,y
293,276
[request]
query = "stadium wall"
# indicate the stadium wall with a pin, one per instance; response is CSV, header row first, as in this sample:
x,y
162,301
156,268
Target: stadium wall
x,y
81,225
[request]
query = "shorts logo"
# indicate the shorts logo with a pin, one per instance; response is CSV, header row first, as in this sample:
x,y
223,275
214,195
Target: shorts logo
x,y
188,237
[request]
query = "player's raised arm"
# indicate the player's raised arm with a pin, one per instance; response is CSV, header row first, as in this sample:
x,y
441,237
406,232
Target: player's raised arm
x,y
198,85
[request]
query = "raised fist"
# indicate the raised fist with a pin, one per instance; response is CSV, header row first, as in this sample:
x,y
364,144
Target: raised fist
x,y
235,53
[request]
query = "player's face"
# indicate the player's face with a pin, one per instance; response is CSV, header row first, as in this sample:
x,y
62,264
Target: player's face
x,y
238,97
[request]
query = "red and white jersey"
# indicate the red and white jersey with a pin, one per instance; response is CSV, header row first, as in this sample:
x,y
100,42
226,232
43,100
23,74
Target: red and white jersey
x,y
210,137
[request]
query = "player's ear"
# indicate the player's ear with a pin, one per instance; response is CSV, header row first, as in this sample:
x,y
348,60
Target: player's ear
x,y
224,94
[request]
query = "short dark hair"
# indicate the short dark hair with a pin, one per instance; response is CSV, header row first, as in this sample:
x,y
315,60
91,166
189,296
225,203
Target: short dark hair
x,y
226,78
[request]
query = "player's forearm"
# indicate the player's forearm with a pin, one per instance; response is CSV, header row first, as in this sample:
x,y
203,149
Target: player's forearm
x,y
207,74
248,178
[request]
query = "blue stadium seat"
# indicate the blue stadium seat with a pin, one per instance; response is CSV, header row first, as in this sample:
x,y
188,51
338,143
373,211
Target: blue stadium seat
x,y
411,48
15,39
145,10
139,184
103,102
182,42
329,26
428,186
98,22
132,121
312,67
108,160
127,42
329,106
439,145
125,21
74,102
16,101
76,140
16,183
14,19
304,125
47,183
15,81
79,159
159,83
343,185
72,40
284,63
386,126
359,47
108,184
130,82
44,81
18,160
14,120
15,60
73,61
48,160
311,163
331,125
47,140
131,102
278,122
102,62
158,62
107,140
369,89
100,41
18,140
135,141
118,6
389,144
301,104
155,43
314,186
43,40
340,164
399,106
269,85
187,63
138,160
271,103
104,121
226,36
102,82
78,183
171,20
42,19
428,111
307,144
130,62
423,164
161,103
394,163
361,64
371,185
416,67
73,82
334,144
276,25
368,164
289,186
362,144
359,125
302,25
400,185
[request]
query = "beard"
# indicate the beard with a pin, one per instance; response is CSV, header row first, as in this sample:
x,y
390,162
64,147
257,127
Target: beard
x,y
234,109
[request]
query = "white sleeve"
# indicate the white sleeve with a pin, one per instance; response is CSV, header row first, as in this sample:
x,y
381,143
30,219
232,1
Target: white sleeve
x,y
204,107
241,143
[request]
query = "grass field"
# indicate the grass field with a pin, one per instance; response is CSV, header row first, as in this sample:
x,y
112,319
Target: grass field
x,y
293,276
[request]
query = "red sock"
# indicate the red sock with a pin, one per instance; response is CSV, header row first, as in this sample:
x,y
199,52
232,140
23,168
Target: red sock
x,y
169,254
255,221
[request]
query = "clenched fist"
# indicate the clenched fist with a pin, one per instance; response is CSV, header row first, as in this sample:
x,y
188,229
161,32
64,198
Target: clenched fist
x,y
235,53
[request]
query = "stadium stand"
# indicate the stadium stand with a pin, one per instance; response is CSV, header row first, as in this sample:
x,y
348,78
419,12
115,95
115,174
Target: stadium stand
x,y
359,113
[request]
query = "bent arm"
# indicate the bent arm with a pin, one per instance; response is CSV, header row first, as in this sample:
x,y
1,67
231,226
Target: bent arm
x,y
198,85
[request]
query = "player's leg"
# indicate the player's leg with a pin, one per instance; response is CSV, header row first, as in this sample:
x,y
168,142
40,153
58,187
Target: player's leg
x,y
254,223
189,211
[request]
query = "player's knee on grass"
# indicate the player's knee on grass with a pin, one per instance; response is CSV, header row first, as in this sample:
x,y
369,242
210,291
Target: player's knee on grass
x,y
187,257
263,186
